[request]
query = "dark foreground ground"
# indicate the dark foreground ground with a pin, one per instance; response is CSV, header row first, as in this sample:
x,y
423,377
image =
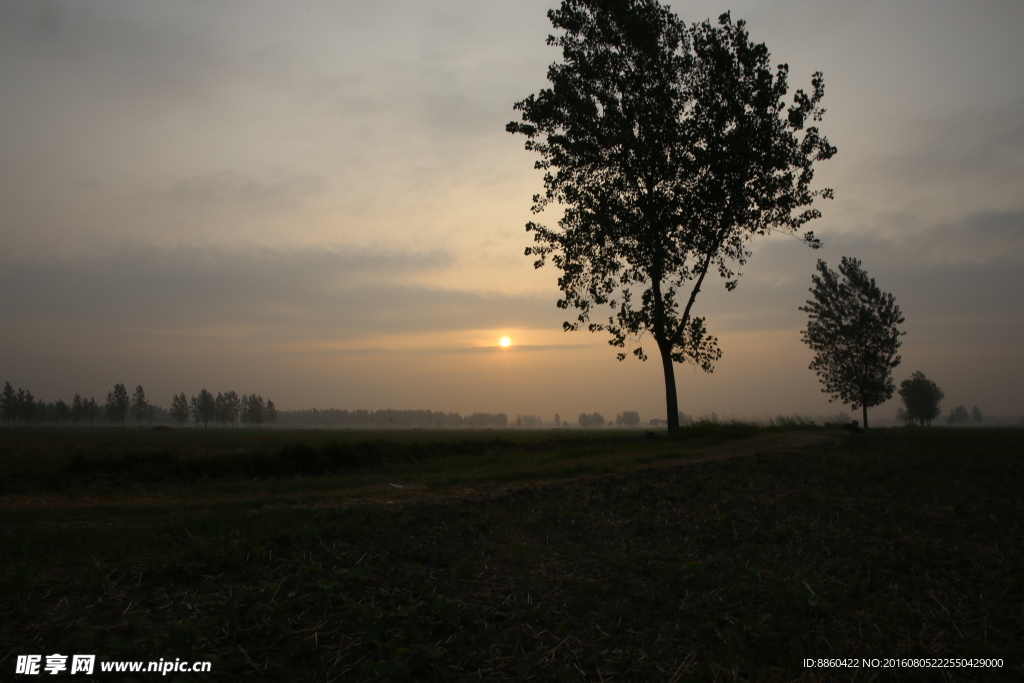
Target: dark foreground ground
x,y
898,544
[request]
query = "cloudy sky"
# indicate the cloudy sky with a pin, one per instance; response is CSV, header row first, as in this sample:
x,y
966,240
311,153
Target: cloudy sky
x,y
318,202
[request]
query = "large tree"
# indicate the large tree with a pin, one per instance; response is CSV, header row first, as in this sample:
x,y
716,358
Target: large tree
x,y
852,329
669,148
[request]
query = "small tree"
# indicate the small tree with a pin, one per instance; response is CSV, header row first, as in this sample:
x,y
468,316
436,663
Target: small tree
x,y
232,407
179,408
117,404
8,404
628,418
140,408
78,408
976,416
852,329
26,406
670,147
206,406
958,416
61,412
271,412
921,398
253,409
91,410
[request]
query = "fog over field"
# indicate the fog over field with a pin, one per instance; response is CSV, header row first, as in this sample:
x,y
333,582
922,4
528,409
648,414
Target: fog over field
x,y
319,203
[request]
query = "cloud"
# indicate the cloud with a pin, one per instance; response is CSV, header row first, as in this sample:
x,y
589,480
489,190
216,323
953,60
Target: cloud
x,y
281,293
228,188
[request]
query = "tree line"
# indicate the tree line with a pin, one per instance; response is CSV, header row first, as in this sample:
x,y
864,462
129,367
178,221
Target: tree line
x,y
20,406
224,409
387,419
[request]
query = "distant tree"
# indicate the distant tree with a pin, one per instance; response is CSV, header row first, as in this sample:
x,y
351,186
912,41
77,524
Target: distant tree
x,y
227,408
77,409
254,409
8,404
921,397
219,416
670,148
902,416
195,410
26,406
976,416
61,412
117,404
558,420
206,406
232,407
958,416
591,421
41,412
628,419
179,408
852,329
91,410
139,407
271,412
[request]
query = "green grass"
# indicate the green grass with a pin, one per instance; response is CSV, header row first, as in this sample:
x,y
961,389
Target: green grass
x,y
575,556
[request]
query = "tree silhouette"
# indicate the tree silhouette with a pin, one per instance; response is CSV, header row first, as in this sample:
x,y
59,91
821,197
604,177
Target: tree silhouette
x,y
8,404
61,412
117,404
140,408
852,329
670,147
976,416
26,404
78,409
958,416
628,418
91,409
253,409
921,398
179,408
205,407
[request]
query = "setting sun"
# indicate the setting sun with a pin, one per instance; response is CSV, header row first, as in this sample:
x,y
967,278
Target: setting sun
x,y
505,341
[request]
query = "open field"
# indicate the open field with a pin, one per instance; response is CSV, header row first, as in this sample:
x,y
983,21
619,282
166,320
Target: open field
x,y
730,554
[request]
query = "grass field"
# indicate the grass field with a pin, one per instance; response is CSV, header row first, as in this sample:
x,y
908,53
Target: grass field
x,y
732,553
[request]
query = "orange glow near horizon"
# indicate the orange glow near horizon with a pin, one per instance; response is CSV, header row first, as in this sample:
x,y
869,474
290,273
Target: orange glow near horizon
x,y
505,342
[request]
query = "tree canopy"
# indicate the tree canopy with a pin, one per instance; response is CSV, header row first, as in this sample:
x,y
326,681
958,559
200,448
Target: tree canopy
x,y
921,398
852,329
669,147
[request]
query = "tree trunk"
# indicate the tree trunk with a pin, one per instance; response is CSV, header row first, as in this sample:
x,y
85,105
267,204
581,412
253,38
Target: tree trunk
x,y
671,400
865,409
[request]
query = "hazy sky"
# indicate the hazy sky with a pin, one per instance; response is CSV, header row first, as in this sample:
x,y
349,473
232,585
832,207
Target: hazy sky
x,y
318,202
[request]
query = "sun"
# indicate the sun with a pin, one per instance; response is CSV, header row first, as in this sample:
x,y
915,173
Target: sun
x,y
505,341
